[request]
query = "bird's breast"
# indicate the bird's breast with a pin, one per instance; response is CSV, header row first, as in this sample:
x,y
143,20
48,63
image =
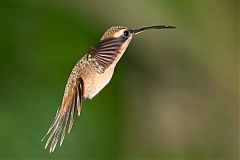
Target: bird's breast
x,y
95,82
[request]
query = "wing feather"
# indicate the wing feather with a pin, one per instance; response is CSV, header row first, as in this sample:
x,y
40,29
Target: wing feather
x,y
105,53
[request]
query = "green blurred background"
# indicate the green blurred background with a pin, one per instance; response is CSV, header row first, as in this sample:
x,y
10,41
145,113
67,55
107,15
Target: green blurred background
x,y
174,94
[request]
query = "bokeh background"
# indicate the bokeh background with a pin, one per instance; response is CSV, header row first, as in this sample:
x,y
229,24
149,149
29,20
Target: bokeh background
x,y
174,94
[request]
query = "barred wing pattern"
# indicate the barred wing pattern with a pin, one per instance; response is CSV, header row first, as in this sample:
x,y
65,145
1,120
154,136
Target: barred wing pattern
x,y
105,53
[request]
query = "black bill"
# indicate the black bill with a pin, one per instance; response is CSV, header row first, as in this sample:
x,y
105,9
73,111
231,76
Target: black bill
x,y
136,31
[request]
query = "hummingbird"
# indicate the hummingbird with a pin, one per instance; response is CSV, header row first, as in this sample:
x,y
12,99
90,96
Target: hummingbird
x,y
89,76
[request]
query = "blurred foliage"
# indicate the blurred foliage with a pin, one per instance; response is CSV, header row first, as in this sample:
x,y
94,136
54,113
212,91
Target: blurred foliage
x,y
174,94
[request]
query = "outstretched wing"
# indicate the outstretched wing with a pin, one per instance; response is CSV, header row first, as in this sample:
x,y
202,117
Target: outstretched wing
x,y
103,54
72,100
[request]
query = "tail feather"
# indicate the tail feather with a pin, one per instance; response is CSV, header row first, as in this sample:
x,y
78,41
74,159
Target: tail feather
x,y
72,115
78,98
72,100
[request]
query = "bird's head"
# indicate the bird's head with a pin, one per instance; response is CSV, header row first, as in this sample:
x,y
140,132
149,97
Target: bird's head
x,y
127,33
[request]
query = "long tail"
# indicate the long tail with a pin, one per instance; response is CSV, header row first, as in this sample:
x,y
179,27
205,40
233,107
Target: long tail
x,y
72,100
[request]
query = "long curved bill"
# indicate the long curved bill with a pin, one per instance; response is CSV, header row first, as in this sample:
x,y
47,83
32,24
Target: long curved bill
x,y
140,30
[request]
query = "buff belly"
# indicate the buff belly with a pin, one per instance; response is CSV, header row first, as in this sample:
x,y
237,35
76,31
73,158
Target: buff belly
x,y
96,82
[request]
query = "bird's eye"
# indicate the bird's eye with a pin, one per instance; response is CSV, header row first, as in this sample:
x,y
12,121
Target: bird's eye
x,y
126,33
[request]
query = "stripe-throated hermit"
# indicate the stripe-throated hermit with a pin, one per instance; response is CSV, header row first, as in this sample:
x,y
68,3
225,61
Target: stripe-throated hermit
x,y
89,76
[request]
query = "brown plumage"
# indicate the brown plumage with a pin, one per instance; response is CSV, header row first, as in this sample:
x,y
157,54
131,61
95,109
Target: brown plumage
x,y
88,77
72,101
